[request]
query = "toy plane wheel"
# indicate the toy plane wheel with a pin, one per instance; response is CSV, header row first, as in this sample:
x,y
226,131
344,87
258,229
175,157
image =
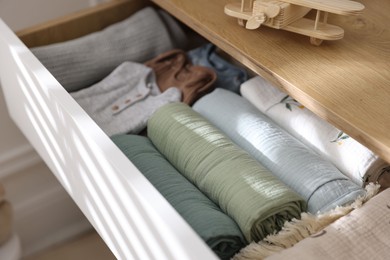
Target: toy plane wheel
x,y
315,41
241,22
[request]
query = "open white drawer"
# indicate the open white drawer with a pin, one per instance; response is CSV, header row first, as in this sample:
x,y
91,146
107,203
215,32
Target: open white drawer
x,y
132,217
135,221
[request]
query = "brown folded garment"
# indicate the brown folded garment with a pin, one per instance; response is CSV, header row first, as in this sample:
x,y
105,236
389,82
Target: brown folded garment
x,y
173,69
5,221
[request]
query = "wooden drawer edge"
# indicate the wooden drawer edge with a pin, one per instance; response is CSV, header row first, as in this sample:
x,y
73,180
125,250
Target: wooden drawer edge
x,y
132,217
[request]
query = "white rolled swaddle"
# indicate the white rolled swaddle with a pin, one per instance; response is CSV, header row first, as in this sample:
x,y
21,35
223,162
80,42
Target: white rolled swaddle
x,y
353,159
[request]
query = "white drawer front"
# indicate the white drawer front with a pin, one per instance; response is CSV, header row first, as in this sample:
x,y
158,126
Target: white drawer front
x,y
135,221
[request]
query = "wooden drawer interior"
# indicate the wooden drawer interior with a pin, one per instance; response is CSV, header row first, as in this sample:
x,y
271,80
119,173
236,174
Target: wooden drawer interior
x,y
78,24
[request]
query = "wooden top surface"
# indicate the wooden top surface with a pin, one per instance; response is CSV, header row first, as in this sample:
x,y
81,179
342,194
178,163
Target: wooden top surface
x,y
346,82
334,6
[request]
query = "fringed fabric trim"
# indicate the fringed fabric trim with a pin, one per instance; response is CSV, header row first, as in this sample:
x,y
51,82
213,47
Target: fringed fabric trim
x,y
298,229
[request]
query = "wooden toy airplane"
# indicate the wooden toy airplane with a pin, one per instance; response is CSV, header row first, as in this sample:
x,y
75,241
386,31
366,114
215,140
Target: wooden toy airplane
x,y
289,15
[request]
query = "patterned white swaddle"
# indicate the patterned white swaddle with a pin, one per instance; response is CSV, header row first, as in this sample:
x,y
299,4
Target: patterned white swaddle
x,y
353,159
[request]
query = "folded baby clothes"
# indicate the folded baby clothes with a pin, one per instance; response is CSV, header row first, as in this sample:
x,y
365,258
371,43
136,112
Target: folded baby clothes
x,y
258,201
5,221
229,76
173,69
123,101
318,181
81,62
362,234
217,229
350,157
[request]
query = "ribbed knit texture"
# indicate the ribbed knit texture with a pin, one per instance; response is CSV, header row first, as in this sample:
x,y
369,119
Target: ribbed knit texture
x,y
318,181
82,62
242,187
217,229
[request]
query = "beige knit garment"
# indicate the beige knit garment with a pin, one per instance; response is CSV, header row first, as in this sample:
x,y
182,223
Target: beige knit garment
x,y
362,234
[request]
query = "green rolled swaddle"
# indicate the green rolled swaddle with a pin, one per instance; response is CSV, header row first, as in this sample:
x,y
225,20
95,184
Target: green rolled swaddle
x,y
245,190
217,229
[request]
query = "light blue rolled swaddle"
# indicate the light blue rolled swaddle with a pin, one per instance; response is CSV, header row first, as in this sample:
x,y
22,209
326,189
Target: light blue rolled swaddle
x,y
318,181
258,201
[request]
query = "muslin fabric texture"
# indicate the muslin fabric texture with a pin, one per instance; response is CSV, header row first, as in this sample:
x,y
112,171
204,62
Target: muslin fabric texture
x,y
318,181
353,159
174,69
83,61
229,76
5,221
362,234
258,201
123,101
217,229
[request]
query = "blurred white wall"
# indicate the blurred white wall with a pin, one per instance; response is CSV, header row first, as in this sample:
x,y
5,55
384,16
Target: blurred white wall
x,y
44,214
19,14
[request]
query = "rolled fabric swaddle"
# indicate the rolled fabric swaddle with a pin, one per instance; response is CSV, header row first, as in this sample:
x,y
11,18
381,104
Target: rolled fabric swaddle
x,y
353,159
318,181
258,201
83,61
217,229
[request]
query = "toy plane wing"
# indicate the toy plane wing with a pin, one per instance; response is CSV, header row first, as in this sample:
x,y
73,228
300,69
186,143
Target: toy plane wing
x,y
342,7
289,15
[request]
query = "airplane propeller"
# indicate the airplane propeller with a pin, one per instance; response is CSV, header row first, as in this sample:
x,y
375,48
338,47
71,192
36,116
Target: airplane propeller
x,y
269,11
255,21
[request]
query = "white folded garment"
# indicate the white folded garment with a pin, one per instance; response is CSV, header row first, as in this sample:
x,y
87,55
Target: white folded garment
x,y
353,159
362,234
